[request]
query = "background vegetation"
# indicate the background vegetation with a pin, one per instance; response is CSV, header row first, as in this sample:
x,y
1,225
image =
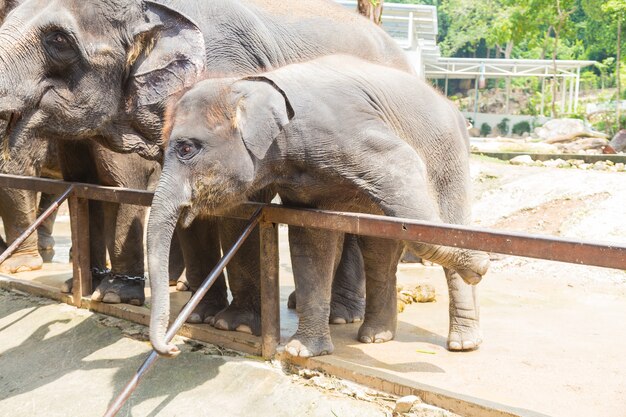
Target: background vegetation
x,y
541,29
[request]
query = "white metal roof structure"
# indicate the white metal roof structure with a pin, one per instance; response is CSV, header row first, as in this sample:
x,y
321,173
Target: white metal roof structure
x,y
414,27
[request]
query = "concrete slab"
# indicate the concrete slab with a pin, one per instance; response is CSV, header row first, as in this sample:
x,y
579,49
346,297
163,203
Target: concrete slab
x,y
57,360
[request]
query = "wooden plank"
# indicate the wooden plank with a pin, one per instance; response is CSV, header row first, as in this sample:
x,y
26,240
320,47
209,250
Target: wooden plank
x,y
34,288
81,262
270,289
464,405
203,332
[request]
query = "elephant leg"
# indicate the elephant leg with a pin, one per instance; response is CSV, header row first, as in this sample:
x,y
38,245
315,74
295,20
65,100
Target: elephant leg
x,y
244,312
347,303
45,239
465,331
124,228
97,247
313,255
380,258
201,249
18,211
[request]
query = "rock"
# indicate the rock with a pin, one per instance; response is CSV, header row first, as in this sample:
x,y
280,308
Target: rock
x,y
600,166
556,128
575,162
619,167
521,160
618,143
556,163
404,404
474,132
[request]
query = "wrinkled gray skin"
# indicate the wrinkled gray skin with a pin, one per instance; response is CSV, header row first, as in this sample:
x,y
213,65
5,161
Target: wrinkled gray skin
x,y
18,208
335,133
103,70
55,87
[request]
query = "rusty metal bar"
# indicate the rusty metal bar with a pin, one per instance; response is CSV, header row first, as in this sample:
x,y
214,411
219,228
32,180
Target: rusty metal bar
x,y
81,252
184,314
270,289
604,254
87,191
31,229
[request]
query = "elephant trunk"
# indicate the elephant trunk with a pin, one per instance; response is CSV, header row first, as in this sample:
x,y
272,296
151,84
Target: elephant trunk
x,y
169,200
471,265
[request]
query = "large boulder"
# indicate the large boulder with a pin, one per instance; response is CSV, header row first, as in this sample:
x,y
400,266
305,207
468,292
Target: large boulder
x,y
556,130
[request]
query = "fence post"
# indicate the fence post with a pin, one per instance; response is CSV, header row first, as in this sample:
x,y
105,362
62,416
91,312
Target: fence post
x,y
81,263
270,289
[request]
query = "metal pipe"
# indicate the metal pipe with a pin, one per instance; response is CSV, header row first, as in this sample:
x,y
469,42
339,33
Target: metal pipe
x,y
184,314
53,207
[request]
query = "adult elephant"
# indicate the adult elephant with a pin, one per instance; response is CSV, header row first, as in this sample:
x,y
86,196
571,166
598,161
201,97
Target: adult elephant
x,y
18,208
104,70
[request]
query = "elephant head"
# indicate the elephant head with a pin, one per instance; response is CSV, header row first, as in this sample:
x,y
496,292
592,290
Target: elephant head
x,y
87,69
218,134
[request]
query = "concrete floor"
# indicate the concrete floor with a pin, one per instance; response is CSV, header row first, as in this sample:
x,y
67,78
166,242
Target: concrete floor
x,y
56,360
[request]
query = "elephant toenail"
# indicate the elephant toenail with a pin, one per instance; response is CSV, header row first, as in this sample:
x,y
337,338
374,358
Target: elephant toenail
x,y
111,298
243,328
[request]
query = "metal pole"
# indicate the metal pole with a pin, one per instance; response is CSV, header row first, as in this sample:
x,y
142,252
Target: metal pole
x,y
570,105
577,90
53,207
184,315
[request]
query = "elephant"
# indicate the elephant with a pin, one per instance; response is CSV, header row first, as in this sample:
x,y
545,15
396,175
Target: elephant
x,y
335,133
102,71
18,208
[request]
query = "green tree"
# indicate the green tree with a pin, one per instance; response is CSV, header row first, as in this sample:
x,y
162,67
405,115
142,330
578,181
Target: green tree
x,y
616,11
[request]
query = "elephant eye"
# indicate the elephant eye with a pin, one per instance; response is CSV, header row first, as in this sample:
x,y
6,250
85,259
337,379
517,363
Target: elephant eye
x,y
60,46
186,149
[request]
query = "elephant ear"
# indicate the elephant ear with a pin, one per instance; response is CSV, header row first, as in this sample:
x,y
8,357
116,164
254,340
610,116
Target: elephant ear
x,y
263,111
168,55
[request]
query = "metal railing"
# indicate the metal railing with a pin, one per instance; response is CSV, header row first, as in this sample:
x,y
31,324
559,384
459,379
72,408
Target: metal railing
x,y
583,252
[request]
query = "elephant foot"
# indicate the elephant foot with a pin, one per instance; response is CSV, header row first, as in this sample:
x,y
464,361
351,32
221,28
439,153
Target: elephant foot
x,y
375,333
116,290
22,263
464,334
182,284
47,255
97,276
206,310
343,309
305,346
238,319
291,301
347,308
45,242
475,267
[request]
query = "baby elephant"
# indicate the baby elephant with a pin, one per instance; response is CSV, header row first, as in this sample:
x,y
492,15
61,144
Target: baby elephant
x,y
335,133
